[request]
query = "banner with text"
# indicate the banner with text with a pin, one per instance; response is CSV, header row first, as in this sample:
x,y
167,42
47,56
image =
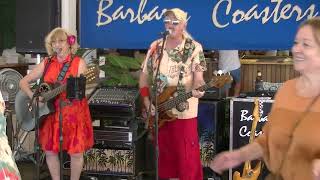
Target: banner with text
x,y
219,24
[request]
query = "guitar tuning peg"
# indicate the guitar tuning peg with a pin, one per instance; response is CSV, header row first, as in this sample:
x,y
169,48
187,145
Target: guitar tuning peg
x,y
218,73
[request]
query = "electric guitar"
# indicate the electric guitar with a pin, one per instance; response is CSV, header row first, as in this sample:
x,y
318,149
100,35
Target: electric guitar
x,y
249,173
24,109
167,101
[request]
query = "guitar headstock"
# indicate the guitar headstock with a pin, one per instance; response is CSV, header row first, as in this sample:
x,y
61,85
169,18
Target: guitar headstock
x,y
219,79
255,112
92,73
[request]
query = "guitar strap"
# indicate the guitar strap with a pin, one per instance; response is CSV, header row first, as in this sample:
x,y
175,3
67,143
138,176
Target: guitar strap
x,y
62,73
186,48
45,69
180,88
64,69
37,91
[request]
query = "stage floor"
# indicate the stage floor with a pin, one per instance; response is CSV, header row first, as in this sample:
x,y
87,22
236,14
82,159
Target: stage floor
x,y
28,172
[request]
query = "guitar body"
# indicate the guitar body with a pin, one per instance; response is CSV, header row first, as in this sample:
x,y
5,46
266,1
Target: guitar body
x,y
164,116
167,101
25,116
248,173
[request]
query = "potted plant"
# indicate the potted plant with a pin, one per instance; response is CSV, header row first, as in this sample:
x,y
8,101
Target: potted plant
x,y
121,70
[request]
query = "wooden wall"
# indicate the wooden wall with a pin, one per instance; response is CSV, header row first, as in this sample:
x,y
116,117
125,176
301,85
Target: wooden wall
x,y
211,67
272,71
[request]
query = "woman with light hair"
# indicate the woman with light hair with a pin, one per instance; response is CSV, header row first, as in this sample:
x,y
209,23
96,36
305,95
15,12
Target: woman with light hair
x,y
77,131
181,66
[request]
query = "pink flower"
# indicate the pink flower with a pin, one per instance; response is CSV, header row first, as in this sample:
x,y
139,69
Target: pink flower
x,y
71,40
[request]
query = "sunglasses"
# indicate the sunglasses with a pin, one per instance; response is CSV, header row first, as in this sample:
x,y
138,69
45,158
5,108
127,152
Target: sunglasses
x,y
173,22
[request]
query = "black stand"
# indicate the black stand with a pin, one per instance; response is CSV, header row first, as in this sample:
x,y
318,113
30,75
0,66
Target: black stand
x,y
37,133
75,91
37,147
62,104
35,106
156,117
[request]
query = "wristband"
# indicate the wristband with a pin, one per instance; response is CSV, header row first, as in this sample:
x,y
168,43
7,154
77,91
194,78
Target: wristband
x,y
144,91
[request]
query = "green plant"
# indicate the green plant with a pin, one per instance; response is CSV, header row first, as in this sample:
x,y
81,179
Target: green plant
x,y
119,70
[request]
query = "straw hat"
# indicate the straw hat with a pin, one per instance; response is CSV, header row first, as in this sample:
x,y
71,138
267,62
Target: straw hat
x,y
178,13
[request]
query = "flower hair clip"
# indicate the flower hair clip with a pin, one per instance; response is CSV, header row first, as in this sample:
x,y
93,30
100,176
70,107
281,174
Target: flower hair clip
x,y
71,40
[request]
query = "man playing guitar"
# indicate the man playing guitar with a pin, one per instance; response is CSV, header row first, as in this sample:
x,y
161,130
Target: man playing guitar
x,y
182,66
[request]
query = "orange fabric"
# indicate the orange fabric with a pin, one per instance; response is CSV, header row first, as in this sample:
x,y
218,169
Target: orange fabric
x,y
77,127
286,111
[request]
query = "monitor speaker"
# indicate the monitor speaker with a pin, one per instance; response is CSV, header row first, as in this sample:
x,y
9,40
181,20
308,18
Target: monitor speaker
x,y
34,20
213,131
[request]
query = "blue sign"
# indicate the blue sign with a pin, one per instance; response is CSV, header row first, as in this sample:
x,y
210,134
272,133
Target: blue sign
x,y
216,24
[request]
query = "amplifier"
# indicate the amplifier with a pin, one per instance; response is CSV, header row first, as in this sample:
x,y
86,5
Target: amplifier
x,y
113,102
117,152
113,137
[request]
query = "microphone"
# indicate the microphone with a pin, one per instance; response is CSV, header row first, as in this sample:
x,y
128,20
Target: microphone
x,y
56,50
166,32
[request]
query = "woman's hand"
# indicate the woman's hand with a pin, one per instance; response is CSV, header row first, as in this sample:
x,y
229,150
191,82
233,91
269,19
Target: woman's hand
x,y
197,93
2,107
316,169
225,160
2,104
41,101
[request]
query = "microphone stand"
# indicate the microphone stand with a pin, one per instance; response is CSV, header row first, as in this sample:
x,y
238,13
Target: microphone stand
x,y
157,80
37,132
75,91
35,105
62,104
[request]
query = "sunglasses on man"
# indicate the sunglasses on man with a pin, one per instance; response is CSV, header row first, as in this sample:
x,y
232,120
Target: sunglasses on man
x,y
170,21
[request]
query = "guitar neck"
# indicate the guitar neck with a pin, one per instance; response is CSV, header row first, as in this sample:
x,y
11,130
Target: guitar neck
x,y
183,97
256,118
53,93
90,75
171,103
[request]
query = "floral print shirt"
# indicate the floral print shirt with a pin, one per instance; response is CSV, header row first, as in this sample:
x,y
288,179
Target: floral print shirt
x,y
172,65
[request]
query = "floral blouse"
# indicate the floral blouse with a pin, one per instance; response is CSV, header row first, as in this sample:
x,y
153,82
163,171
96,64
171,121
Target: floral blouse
x,y
8,167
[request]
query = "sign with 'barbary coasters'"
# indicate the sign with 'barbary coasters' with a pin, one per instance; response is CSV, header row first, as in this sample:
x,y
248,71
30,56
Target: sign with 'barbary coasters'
x,y
218,24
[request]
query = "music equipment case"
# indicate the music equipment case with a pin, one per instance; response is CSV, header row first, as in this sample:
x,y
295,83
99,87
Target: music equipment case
x,y
241,118
213,131
117,152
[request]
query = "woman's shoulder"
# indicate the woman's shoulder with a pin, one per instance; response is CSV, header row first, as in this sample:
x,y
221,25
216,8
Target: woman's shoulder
x,y
289,85
76,57
287,90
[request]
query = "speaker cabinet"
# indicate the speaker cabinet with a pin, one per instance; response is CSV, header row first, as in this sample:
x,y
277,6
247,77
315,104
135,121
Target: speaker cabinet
x,y
34,20
213,131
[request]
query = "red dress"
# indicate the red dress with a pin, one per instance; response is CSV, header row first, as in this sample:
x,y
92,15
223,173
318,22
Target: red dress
x,y
77,127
